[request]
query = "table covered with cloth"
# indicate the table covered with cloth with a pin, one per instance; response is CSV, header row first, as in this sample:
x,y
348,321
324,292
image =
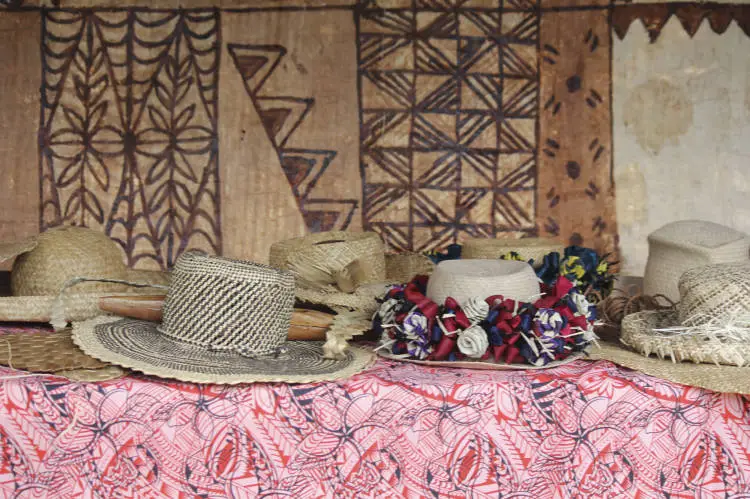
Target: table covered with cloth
x,y
587,429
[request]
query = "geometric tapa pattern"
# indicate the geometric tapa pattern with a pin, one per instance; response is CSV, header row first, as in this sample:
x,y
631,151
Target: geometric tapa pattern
x,y
128,137
449,92
281,116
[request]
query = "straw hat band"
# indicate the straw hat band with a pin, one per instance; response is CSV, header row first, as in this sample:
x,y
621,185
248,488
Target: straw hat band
x,y
223,304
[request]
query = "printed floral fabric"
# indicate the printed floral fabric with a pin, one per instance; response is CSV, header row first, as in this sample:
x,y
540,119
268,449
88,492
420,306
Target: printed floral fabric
x,y
587,429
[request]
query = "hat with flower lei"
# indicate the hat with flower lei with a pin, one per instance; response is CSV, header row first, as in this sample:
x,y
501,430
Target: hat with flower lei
x,y
489,314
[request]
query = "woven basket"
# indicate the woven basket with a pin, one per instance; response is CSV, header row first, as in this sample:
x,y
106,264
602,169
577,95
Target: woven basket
x,y
403,267
681,246
530,248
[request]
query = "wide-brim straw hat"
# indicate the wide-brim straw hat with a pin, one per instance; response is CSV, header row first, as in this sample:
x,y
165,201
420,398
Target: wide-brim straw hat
x,y
686,244
224,321
53,353
529,248
723,379
44,264
704,341
322,260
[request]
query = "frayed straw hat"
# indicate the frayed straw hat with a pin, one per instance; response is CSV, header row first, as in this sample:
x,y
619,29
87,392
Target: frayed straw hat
x,y
341,270
704,341
711,323
46,263
681,246
530,248
225,321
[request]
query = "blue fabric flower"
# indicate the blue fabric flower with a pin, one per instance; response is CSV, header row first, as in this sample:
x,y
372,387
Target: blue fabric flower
x,y
550,269
453,252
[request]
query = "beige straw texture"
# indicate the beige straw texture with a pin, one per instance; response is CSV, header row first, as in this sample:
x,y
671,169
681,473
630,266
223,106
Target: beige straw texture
x,y
403,267
723,379
466,279
714,300
107,373
483,365
681,246
527,248
45,263
44,352
333,250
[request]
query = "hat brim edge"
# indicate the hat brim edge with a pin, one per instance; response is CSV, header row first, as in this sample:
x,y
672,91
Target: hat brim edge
x,y
84,338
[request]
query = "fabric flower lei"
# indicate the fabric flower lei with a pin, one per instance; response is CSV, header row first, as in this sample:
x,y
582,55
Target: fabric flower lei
x,y
558,324
584,267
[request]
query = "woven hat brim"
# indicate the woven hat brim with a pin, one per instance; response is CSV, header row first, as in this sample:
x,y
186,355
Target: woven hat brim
x,y
12,250
482,365
637,332
78,306
725,379
138,345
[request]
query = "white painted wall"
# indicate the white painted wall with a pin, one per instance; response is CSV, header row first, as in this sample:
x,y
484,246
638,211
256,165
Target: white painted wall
x,y
681,113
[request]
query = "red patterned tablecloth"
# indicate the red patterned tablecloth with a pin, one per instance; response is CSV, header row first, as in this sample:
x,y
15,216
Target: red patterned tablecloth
x,y
589,429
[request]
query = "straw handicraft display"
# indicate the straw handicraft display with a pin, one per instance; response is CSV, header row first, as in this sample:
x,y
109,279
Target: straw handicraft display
x,y
590,272
554,327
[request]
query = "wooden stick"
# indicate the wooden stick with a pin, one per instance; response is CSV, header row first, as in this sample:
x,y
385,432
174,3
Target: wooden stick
x,y
306,325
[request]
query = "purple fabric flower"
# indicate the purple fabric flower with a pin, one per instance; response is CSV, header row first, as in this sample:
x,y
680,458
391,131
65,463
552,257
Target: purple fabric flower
x,y
416,332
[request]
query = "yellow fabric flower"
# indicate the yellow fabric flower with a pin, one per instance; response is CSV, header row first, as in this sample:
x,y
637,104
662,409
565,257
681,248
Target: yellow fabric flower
x,y
512,256
602,267
573,266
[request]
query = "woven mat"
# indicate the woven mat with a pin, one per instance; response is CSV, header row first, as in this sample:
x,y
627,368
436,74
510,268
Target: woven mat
x,y
45,352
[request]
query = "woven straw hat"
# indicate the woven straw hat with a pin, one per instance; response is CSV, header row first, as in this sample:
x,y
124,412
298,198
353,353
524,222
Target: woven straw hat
x,y
711,323
702,342
54,353
44,264
725,379
224,321
342,270
530,248
466,279
402,267
683,245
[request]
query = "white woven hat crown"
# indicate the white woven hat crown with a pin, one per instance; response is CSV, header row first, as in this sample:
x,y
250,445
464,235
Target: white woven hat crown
x,y
687,244
466,279
229,305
